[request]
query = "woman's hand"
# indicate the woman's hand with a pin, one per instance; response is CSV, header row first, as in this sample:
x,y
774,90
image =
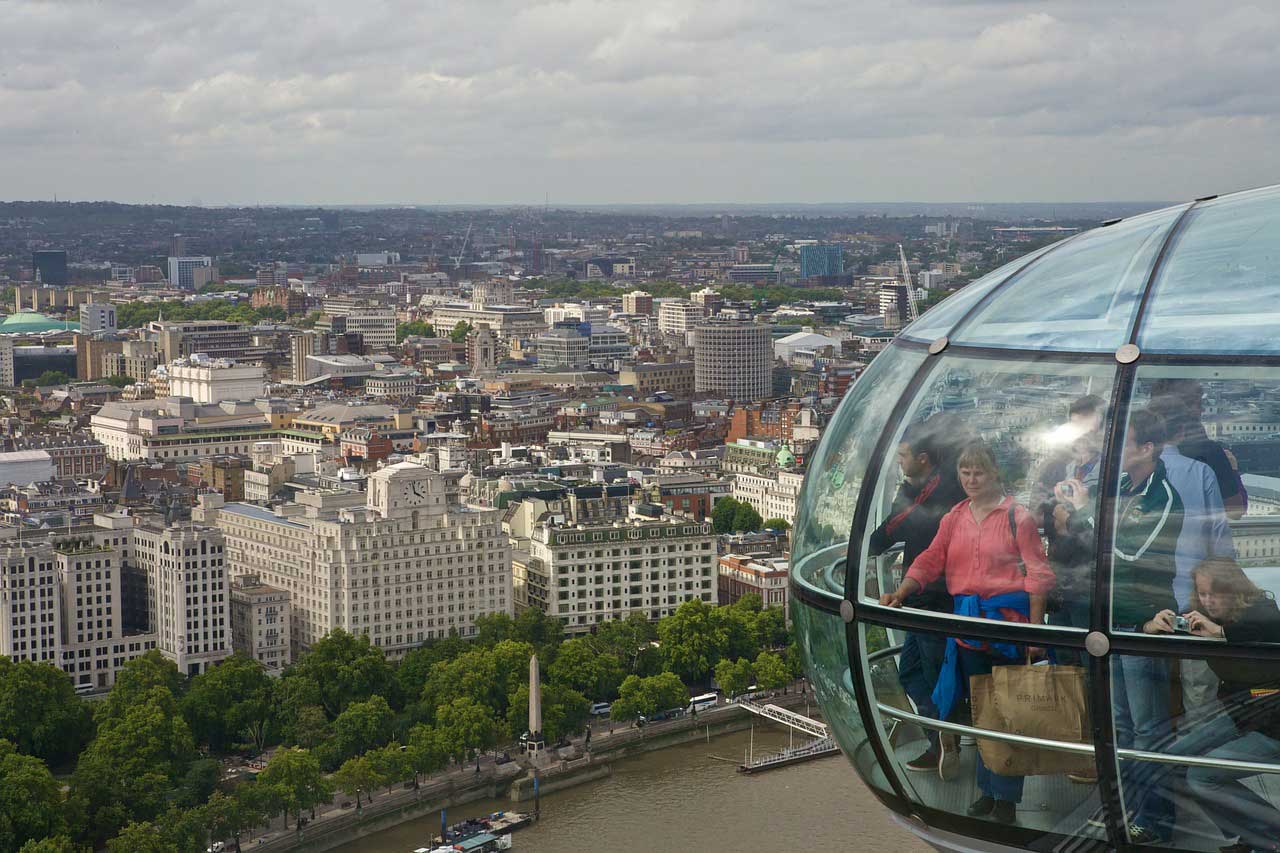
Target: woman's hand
x,y
891,599
1202,626
1161,623
1072,491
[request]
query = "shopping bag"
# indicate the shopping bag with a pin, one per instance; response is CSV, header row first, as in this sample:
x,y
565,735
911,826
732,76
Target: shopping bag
x,y
1014,759
1043,701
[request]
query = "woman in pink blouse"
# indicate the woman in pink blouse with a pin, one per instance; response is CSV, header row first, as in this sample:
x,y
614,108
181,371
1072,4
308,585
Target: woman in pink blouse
x,y
990,553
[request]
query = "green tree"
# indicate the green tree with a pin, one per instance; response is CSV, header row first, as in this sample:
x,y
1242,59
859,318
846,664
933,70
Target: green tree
x,y
466,726
30,799
136,681
776,523
579,666
493,628
647,696
564,711
119,381
54,844
459,333
52,377
427,753
229,702
630,641
390,764
198,782
723,514
746,519
361,727
543,632
356,777
295,780
130,767
231,815
734,677
40,711
417,328
693,639
142,837
344,668
771,671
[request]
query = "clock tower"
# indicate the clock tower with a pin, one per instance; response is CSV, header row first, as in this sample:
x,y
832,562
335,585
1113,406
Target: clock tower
x,y
399,490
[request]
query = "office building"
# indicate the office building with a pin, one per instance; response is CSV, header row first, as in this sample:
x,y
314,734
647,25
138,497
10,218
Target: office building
x,y
733,360
675,378
97,317
592,556
260,617
609,267
187,592
375,326
182,270
563,346
637,302
136,360
49,267
6,362
710,300
404,563
212,380
215,338
820,260
676,317
171,429
741,575
754,273
72,456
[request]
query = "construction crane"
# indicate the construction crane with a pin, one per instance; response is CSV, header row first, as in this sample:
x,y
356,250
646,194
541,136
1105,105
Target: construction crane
x,y
906,281
457,260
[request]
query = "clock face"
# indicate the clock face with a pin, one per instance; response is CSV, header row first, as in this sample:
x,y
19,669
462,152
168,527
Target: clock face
x,y
415,493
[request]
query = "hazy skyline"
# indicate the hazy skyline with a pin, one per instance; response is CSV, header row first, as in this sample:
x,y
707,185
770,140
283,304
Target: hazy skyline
x,y
655,102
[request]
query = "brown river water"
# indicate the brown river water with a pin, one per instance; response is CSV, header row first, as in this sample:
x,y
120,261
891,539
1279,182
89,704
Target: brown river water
x,y
681,799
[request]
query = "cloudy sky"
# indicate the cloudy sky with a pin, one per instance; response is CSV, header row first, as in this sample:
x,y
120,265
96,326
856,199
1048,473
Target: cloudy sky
x,y
488,101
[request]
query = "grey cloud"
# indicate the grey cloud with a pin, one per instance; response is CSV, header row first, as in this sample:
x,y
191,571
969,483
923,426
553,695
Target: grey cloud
x,y
625,101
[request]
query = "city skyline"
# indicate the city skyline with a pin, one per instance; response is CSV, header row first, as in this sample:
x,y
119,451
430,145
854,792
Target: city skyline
x,y
579,104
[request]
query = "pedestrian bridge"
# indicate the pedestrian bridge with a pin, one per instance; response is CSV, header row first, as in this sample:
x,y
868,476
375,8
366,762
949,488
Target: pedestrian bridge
x,y
799,722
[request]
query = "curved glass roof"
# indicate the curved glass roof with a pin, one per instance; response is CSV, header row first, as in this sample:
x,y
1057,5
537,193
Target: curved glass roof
x,y
1211,268
31,323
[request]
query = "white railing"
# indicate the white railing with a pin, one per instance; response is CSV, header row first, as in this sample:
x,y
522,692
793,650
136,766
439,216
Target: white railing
x,y
799,722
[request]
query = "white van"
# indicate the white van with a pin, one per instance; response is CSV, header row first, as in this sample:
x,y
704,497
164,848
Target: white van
x,y
601,709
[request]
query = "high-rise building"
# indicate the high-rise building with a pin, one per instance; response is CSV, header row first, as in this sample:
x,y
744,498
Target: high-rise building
x,y
637,302
187,589
733,360
215,338
260,622
182,270
301,346
376,326
49,266
675,317
177,246
404,563
97,317
709,299
6,362
821,260
482,350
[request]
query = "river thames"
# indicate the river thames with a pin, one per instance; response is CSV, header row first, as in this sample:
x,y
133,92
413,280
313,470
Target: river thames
x,y
683,799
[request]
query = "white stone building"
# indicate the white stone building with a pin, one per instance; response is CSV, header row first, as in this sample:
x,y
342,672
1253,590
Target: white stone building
x,y
408,566
211,380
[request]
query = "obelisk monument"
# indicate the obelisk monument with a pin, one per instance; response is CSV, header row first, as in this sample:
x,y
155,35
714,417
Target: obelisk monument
x,y
535,708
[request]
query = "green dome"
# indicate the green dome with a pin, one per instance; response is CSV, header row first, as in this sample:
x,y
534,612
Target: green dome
x,y
785,457
27,323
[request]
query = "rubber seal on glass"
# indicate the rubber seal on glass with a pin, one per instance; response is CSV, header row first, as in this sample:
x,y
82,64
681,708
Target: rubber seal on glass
x,y
1097,644
937,345
1128,353
846,610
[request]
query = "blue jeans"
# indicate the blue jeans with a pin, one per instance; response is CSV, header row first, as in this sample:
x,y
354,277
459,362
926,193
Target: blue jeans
x,y
918,665
1140,700
1235,809
992,785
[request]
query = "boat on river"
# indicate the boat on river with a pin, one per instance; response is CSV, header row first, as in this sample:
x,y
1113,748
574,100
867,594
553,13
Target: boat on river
x,y
482,842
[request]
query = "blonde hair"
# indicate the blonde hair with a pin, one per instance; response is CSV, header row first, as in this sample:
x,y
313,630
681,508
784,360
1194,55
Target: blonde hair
x,y
978,455
1225,578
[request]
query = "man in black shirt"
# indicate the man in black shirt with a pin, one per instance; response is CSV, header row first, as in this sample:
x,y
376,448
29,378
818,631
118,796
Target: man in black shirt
x,y
928,491
1188,433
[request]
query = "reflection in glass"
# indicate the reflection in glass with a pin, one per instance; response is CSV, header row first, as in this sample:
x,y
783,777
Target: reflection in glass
x,y
957,779
1217,291
824,648
1043,424
1081,296
942,318
830,492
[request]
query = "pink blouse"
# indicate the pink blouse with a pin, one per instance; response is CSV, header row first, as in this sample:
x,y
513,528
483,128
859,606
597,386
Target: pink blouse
x,y
980,559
